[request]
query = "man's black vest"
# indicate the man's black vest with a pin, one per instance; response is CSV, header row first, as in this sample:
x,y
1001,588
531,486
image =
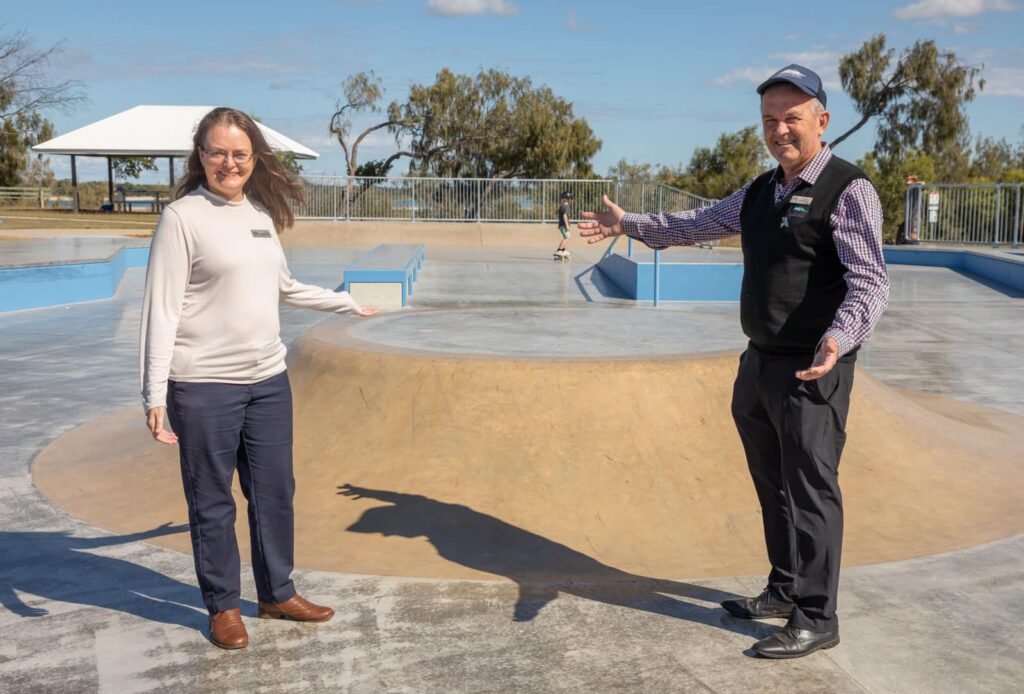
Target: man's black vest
x,y
792,276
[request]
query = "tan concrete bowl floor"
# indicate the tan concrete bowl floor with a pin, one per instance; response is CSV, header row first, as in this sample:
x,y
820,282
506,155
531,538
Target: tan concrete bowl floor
x,y
474,467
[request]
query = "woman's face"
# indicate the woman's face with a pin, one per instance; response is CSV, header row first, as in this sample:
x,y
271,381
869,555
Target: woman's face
x,y
228,161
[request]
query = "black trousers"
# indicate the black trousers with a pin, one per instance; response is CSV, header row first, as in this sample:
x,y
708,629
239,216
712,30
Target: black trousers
x,y
223,427
793,433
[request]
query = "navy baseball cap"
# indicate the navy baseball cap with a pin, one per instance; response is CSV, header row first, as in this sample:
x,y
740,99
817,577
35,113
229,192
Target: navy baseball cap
x,y
802,78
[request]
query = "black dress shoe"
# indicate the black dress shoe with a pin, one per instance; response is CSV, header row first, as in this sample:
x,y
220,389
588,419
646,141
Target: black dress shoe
x,y
793,642
764,606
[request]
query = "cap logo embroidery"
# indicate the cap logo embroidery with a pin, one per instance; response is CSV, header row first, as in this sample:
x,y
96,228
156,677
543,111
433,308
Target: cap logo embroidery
x,y
791,73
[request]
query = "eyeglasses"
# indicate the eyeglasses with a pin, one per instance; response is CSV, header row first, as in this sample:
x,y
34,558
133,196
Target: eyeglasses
x,y
218,156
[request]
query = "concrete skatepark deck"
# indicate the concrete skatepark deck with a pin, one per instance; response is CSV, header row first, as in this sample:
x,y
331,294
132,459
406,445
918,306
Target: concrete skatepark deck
x,y
87,610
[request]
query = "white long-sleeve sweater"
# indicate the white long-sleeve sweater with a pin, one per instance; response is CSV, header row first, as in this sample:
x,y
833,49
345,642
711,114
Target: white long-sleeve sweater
x,y
210,312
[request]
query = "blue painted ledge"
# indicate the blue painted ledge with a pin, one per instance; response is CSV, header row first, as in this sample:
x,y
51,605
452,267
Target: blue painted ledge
x,y
721,281
679,281
38,286
1006,269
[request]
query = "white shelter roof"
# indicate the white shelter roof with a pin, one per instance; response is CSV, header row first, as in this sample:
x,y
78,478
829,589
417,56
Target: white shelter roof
x,y
151,131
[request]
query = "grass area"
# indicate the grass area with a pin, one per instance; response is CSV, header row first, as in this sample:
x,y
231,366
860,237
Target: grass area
x,y
34,218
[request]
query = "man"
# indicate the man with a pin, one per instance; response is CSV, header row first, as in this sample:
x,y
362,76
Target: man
x,y
814,286
911,227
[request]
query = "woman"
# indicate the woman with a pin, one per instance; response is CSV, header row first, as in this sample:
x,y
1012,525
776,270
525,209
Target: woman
x,y
212,360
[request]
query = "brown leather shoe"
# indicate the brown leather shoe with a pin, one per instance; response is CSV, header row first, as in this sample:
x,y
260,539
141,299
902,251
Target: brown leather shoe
x,y
227,630
296,608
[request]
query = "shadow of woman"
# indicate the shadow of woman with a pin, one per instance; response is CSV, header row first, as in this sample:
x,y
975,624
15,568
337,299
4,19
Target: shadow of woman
x,y
57,566
541,568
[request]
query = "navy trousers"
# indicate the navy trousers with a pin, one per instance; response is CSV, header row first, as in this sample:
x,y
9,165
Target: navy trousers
x,y
793,433
223,427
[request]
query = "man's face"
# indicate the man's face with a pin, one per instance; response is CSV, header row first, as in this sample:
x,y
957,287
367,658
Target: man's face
x,y
792,129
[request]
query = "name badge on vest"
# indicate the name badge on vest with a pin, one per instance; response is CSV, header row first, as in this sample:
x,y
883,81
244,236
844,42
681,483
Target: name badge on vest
x,y
799,206
260,233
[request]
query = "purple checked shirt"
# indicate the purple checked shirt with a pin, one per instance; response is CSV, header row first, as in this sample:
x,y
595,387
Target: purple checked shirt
x,y
857,230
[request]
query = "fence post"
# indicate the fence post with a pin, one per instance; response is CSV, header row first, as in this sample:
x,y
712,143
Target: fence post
x,y
334,201
906,216
918,209
999,211
657,277
479,202
1016,218
413,198
348,197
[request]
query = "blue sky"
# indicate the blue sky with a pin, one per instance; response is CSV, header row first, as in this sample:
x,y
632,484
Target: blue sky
x,y
654,79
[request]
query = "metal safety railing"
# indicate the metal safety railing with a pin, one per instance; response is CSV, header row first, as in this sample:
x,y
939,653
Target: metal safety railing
x,y
476,199
964,213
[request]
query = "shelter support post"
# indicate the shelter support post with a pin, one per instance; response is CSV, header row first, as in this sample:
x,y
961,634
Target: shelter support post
x,y
74,185
110,182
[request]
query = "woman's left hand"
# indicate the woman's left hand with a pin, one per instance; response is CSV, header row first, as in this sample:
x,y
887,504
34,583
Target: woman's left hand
x,y
155,423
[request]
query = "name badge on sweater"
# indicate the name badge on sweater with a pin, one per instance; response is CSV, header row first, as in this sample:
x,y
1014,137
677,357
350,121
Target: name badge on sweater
x,y
801,200
261,233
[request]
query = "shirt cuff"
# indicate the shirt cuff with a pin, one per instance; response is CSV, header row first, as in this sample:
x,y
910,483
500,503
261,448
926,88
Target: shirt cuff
x,y
631,225
350,305
846,343
156,397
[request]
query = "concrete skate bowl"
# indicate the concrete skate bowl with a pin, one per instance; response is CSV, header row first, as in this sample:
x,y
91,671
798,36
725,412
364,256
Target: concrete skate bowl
x,y
477,453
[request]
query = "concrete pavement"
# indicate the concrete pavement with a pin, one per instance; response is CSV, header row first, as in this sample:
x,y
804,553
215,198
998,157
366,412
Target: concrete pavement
x,y
84,610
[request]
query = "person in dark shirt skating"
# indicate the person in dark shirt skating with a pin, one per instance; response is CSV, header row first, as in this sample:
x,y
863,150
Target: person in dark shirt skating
x,y
563,225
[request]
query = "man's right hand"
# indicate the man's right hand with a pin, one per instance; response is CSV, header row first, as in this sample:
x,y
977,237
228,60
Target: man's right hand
x,y
604,225
155,422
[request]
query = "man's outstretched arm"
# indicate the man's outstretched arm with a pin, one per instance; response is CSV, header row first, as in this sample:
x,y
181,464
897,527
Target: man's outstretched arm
x,y
686,228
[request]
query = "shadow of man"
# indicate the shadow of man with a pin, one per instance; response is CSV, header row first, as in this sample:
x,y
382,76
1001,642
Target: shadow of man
x,y
542,569
57,566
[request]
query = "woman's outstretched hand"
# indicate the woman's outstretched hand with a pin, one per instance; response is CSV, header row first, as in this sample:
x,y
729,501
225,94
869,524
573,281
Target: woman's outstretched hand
x,y
155,423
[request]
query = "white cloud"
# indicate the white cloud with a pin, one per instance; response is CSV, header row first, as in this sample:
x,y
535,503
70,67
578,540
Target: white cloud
x,y
959,29
750,75
935,9
1004,81
824,62
461,8
580,26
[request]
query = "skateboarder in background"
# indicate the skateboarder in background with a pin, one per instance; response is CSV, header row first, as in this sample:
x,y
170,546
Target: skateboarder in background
x,y
563,225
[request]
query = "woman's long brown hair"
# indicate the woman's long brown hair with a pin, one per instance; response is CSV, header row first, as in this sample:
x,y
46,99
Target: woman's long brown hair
x,y
271,185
